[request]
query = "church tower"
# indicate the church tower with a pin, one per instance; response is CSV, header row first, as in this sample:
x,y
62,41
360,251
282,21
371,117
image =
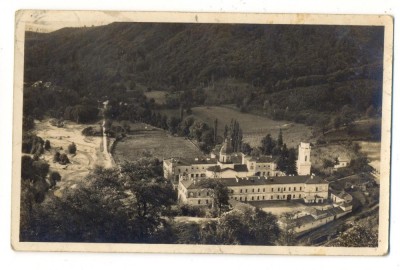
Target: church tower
x,y
225,152
304,159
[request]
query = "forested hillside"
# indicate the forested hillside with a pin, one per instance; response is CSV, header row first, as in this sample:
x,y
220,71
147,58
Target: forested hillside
x,y
281,69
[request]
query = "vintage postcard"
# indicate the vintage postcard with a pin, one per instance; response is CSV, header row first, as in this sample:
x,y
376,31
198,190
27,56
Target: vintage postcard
x,y
202,132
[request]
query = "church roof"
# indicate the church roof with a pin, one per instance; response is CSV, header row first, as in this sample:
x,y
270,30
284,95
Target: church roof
x,y
226,147
191,161
262,180
264,159
236,168
240,168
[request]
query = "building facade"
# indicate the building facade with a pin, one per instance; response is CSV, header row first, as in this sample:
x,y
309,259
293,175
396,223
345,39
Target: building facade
x,y
310,189
224,164
304,159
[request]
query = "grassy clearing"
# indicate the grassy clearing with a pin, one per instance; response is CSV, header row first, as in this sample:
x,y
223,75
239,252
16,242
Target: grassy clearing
x,y
153,143
254,127
361,132
159,96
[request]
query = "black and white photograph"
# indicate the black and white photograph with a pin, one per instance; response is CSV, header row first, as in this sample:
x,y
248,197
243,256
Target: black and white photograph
x,y
202,133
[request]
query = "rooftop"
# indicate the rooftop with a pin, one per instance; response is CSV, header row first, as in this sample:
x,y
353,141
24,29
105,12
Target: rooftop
x,y
191,161
264,159
261,180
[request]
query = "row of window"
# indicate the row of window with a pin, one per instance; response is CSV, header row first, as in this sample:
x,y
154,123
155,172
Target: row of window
x,y
272,197
199,201
272,189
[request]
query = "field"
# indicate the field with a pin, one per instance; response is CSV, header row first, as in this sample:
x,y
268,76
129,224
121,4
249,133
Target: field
x,y
159,96
254,127
87,157
153,142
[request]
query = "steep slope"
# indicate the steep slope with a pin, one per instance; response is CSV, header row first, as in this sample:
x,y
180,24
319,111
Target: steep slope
x,y
262,61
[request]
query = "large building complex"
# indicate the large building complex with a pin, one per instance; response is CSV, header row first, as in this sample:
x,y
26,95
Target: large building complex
x,y
309,188
224,164
248,178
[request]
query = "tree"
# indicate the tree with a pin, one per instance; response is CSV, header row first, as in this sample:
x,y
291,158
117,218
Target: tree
x,y
248,226
337,122
207,139
56,157
370,112
246,149
215,130
348,115
72,148
47,145
328,163
220,194
359,236
280,138
267,144
173,123
54,177
63,159
288,234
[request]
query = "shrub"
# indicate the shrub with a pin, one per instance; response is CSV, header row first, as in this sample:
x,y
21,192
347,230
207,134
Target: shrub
x,y
63,159
54,177
47,145
72,148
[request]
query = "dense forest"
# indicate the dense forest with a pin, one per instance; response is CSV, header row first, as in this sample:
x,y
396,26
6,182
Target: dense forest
x,y
286,70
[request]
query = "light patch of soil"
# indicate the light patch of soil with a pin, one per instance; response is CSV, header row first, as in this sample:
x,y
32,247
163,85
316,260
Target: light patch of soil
x,y
87,157
280,207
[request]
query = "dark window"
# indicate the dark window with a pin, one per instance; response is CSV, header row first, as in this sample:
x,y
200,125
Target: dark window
x,y
240,191
199,202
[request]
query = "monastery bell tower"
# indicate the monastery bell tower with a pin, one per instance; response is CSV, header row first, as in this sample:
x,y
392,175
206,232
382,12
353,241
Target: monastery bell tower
x,y
304,159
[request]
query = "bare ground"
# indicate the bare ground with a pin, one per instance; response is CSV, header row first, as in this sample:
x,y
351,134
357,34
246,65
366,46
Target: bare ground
x,y
87,157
